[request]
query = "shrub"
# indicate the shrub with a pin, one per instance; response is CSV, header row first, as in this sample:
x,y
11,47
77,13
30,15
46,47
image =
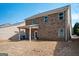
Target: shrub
x,y
76,29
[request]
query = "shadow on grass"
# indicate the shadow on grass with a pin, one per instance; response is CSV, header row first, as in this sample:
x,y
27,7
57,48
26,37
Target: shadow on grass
x,y
15,38
70,48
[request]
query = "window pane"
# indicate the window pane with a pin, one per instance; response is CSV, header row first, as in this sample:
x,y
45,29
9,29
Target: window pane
x,y
46,19
34,21
61,15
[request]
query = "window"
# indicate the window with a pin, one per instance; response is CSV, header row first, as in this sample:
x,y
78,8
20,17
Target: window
x,y
61,16
61,33
45,19
34,21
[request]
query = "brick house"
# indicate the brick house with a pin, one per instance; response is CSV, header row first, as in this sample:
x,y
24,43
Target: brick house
x,y
50,25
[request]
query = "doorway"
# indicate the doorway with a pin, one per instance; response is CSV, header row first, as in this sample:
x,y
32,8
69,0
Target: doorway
x,y
35,35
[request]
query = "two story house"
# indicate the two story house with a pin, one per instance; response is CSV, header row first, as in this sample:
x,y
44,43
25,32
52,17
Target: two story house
x,y
50,25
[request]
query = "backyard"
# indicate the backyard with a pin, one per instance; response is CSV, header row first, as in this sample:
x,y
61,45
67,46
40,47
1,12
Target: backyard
x,y
40,48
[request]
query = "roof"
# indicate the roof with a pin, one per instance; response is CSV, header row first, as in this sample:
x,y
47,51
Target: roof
x,y
34,26
9,25
49,12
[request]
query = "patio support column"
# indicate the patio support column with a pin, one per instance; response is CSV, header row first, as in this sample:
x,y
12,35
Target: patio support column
x,y
30,34
19,34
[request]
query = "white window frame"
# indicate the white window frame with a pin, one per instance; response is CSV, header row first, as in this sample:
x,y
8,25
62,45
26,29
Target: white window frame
x,y
33,21
45,19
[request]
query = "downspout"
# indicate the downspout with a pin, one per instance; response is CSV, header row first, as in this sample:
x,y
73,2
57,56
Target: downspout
x,y
69,23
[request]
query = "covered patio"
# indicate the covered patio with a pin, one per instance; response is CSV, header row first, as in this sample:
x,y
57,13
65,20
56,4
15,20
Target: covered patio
x,y
30,28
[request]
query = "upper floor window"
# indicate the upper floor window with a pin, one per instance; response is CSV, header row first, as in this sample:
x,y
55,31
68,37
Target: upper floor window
x,y
34,21
45,19
61,16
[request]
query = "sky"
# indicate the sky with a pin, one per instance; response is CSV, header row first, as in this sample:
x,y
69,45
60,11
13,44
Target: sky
x,y
17,12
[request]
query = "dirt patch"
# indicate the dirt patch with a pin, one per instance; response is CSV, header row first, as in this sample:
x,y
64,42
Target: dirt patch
x,y
40,48
26,48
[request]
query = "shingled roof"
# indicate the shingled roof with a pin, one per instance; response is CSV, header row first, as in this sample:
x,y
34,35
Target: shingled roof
x,y
49,12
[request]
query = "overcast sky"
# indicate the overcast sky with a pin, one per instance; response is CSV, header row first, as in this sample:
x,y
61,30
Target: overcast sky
x,y
13,13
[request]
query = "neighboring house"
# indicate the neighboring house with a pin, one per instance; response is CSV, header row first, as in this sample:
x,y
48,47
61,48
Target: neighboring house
x,y
51,25
10,31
